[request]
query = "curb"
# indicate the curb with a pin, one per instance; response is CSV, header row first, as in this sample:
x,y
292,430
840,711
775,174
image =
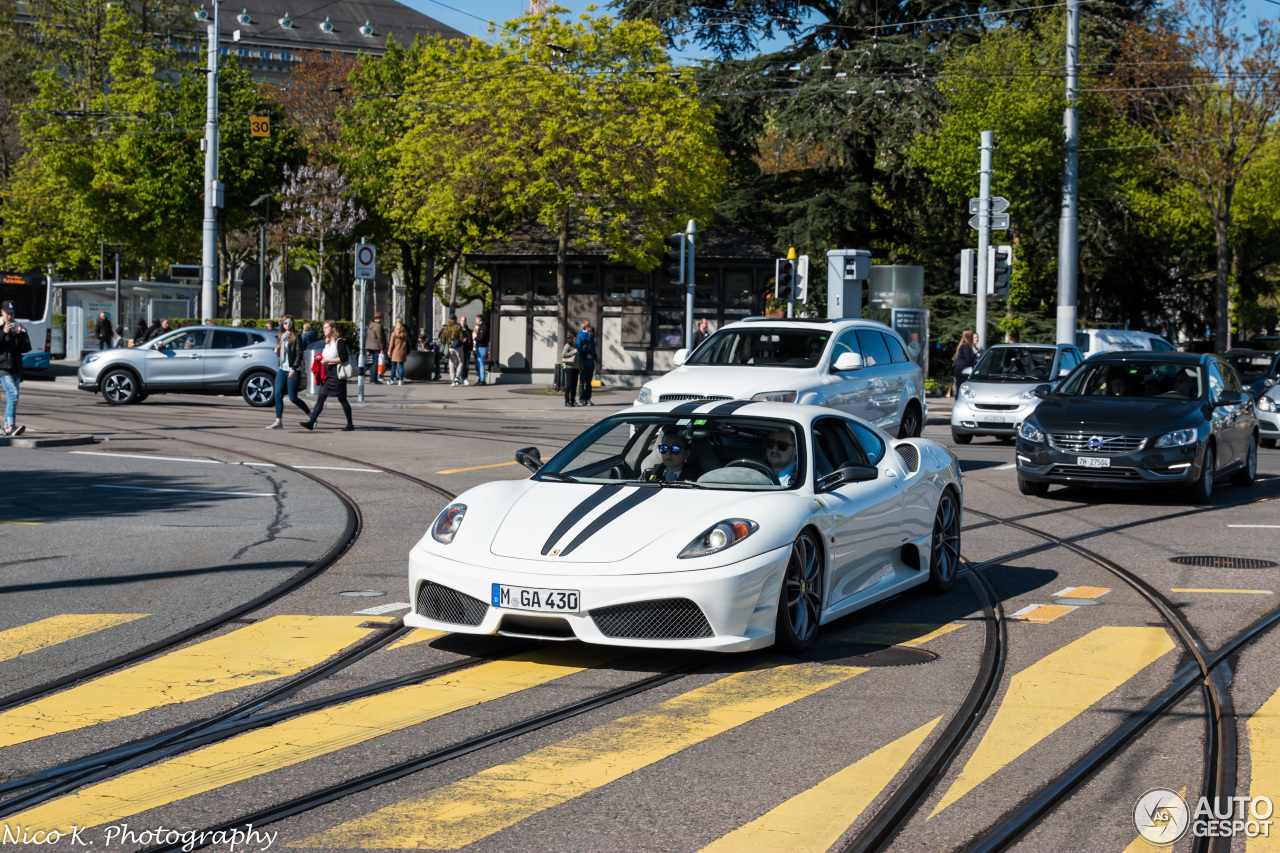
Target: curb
x,y
53,441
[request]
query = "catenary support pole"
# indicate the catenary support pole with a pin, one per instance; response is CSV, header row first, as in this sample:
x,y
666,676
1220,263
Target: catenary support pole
x,y
117,322
1068,224
690,238
984,236
212,187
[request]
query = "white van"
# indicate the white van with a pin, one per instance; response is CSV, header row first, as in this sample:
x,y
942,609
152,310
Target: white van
x,y
1094,341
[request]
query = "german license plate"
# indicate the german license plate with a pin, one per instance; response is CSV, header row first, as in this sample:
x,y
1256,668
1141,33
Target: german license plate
x,y
1093,462
545,600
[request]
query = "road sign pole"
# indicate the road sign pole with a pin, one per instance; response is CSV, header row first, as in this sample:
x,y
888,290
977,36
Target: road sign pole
x,y
360,343
691,232
1068,223
984,236
209,253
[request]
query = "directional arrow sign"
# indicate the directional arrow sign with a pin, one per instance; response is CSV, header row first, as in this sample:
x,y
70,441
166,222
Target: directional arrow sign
x,y
999,222
999,204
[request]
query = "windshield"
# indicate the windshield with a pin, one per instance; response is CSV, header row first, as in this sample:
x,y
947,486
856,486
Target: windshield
x,y
663,450
1251,367
1168,381
763,346
1013,364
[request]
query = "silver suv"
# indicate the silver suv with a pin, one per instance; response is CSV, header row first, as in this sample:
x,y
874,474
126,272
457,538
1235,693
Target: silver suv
x,y
999,393
194,360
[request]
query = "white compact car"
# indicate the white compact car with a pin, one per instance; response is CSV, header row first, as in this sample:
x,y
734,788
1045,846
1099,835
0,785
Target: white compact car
x,y
1268,411
1094,341
859,367
999,393
716,526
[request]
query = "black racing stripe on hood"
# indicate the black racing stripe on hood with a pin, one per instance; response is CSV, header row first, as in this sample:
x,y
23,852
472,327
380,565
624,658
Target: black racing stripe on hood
x,y
729,408
688,408
614,512
576,514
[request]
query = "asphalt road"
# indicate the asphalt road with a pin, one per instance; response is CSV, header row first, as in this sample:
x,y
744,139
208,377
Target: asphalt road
x,y
744,752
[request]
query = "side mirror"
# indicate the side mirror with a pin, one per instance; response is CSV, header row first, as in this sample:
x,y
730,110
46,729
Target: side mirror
x,y
680,356
1269,382
1042,391
848,361
530,458
1229,398
851,473
1063,372
967,371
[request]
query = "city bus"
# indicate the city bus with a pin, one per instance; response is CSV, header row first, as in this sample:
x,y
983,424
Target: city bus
x,y
33,298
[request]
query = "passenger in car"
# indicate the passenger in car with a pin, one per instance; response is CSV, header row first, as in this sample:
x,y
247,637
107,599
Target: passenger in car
x,y
780,453
674,448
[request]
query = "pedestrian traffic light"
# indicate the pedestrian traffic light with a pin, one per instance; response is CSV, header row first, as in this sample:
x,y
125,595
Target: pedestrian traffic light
x,y
1001,271
964,271
673,260
784,280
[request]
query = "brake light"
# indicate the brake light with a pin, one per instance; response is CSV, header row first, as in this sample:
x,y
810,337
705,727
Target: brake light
x,y
48,340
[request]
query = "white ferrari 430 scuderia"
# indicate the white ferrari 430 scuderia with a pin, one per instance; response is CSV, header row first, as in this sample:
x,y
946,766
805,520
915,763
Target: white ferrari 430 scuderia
x,y
723,526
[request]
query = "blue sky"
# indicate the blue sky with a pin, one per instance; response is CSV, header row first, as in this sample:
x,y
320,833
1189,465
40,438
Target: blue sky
x,y
469,16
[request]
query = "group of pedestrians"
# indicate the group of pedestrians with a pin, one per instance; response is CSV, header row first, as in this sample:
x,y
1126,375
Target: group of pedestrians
x,y
578,365
459,344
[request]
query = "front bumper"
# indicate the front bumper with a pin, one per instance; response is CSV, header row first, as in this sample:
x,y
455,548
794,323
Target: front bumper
x,y
1268,424
738,601
1175,466
968,418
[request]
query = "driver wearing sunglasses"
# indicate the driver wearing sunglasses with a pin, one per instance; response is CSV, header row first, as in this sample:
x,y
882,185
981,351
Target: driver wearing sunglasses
x,y
674,448
780,453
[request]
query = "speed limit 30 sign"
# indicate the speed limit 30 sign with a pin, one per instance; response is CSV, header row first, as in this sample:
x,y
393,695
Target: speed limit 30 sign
x,y
366,260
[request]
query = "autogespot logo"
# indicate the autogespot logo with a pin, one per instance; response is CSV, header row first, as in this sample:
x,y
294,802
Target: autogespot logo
x,y
1162,817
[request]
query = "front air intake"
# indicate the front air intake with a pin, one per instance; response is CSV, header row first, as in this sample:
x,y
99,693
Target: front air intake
x,y
664,619
448,605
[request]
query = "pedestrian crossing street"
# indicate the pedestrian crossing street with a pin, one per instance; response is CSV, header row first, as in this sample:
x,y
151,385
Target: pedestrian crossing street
x,y
1040,700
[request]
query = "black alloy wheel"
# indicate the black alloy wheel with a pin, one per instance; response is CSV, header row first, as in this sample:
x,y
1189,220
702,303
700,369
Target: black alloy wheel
x,y
259,390
1246,475
912,423
119,388
944,550
800,604
1202,491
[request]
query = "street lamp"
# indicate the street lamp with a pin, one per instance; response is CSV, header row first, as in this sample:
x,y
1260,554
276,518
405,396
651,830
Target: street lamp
x,y
262,250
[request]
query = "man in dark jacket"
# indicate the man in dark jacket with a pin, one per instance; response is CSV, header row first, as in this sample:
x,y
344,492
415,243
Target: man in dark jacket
x,y
104,331
467,345
481,339
375,343
13,343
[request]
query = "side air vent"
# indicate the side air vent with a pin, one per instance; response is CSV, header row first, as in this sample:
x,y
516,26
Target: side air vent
x,y
910,456
448,605
664,619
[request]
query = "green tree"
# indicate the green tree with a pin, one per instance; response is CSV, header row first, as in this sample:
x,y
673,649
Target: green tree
x,y
584,127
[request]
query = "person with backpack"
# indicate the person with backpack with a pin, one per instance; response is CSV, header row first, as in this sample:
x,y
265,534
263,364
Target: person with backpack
x,y
586,346
451,344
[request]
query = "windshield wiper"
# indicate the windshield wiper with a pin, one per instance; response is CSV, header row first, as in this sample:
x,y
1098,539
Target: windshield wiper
x,y
667,484
556,475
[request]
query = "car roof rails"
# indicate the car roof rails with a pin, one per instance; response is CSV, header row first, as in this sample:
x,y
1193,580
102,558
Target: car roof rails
x,y
820,320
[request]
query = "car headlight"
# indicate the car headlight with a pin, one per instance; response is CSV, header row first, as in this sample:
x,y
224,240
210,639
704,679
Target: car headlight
x,y
1029,394
1031,432
448,522
1177,438
726,534
1266,404
966,391
89,359
776,396
645,396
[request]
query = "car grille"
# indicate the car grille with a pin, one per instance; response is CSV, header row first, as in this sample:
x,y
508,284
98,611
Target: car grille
x,y
997,407
665,619
448,605
1111,444
675,398
1094,473
910,456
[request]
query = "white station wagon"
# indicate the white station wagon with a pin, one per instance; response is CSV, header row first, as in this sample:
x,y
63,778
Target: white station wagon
x,y
857,366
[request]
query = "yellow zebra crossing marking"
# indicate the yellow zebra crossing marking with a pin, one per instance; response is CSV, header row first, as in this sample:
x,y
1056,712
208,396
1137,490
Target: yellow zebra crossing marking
x,y
308,736
501,796
25,639
270,649
1052,692
1264,759
417,635
813,820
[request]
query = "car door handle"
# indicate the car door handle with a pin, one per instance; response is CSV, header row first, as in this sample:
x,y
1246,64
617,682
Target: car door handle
x,y
246,355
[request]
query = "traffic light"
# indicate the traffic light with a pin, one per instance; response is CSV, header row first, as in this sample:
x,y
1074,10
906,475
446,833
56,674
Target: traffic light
x,y
1001,265
673,260
964,271
784,279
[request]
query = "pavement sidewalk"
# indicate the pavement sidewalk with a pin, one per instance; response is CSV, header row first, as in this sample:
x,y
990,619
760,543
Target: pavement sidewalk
x,y
502,397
